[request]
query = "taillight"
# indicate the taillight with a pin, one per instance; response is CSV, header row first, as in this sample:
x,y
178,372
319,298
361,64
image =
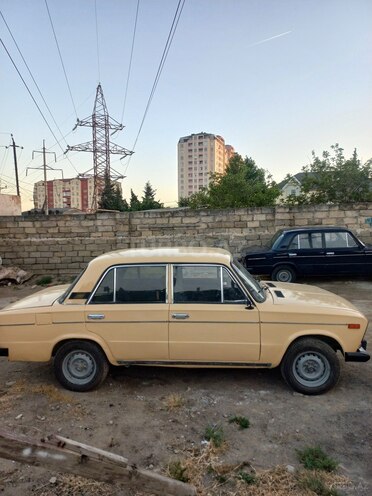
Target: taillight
x,y
353,326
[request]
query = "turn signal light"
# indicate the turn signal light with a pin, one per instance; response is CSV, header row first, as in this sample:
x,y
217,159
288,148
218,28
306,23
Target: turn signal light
x,y
353,326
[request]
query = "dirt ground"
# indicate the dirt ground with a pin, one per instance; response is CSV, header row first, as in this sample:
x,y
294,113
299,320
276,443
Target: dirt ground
x,y
154,416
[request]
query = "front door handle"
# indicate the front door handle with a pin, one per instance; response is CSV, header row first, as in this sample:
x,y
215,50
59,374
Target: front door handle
x,y
180,316
96,316
330,253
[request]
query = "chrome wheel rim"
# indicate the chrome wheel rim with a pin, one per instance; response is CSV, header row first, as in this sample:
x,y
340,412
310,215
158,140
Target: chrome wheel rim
x,y
79,367
311,369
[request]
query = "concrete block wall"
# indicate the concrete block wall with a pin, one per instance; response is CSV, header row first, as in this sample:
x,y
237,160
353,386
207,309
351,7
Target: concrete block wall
x,y
63,244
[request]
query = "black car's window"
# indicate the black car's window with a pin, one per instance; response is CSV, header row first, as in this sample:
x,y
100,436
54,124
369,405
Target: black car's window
x,y
132,284
339,240
316,240
300,242
197,284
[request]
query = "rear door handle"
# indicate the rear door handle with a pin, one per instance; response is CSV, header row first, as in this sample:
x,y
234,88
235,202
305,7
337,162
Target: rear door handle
x,y
330,253
96,316
180,316
292,254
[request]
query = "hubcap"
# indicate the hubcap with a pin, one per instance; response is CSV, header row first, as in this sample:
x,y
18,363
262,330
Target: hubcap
x,y
311,369
79,367
284,276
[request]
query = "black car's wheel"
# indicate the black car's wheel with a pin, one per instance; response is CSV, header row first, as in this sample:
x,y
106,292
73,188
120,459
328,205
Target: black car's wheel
x,y
284,273
80,365
310,366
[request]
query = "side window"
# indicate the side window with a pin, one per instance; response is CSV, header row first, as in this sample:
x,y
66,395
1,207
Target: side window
x,y
316,240
105,291
299,242
196,284
141,284
339,240
132,284
231,291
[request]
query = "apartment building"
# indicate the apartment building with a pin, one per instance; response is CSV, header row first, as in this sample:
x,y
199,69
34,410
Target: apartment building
x,y
67,193
198,156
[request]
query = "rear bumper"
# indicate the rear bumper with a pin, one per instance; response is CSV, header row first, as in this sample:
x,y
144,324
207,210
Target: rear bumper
x,y
358,356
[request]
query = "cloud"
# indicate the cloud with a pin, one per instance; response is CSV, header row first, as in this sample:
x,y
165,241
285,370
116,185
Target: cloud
x,y
269,39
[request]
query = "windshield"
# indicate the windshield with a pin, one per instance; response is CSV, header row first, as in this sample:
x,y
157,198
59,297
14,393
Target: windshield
x,y
250,283
275,237
62,298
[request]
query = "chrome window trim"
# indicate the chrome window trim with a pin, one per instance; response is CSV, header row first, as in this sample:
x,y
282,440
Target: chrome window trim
x,y
221,266
114,267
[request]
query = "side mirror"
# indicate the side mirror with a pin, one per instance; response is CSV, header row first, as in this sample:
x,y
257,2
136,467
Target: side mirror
x,y
249,305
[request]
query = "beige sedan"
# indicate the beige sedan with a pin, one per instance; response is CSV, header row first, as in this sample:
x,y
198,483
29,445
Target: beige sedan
x,y
183,307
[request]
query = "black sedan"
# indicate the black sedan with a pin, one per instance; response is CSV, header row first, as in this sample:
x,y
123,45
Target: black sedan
x,y
310,251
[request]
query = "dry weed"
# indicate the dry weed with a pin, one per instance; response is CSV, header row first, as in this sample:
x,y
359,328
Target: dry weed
x,y
174,401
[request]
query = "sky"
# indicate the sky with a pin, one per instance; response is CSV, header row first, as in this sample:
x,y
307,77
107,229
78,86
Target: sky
x,y
276,78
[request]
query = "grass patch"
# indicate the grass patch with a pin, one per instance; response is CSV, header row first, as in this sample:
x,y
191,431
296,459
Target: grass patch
x,y
313,482
242,422
44,280
314,458
215,435
246,477
174,402
177,471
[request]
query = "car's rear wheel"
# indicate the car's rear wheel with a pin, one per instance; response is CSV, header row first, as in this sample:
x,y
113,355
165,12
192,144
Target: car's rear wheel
x,y
283,273
311,366
80,365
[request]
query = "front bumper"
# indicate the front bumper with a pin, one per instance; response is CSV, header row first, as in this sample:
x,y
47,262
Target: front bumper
x,y
360,355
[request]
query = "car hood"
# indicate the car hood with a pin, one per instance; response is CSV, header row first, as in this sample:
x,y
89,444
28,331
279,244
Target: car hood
x,y
303,294
44,298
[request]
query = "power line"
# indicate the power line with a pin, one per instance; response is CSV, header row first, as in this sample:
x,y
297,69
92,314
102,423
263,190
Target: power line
x,y
38,88
130,60
60,56
172,31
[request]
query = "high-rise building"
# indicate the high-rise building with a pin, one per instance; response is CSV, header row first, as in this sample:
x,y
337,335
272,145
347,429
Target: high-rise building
x,y
66,193
198,156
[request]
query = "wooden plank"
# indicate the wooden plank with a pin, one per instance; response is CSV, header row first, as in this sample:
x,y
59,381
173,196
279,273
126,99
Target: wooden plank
x,y
65,455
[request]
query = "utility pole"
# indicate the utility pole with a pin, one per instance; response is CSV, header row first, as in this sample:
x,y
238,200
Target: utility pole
x,y
14,146
45,167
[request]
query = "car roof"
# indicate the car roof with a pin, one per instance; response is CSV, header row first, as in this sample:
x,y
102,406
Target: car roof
x,y
166,255
314,228
149,255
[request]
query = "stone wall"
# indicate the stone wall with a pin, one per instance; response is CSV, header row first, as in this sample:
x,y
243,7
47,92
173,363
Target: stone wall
x,y
63,244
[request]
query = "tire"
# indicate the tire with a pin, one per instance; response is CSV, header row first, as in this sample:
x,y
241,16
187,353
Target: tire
x,y
80,366
310,366
284,273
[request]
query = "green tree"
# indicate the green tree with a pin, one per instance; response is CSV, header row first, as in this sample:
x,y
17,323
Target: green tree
x,y
134,203
111,198
332,178
148,198
242,185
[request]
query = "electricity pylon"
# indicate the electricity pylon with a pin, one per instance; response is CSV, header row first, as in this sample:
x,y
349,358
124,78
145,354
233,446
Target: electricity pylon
x,y
101,124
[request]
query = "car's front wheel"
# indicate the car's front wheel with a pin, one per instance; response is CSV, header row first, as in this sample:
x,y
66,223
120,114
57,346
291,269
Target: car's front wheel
x,y
310,366
283,273
80,365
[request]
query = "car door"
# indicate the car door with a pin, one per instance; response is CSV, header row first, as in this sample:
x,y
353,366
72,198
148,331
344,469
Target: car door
x,y
344,254
209,319
306,253
129,310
